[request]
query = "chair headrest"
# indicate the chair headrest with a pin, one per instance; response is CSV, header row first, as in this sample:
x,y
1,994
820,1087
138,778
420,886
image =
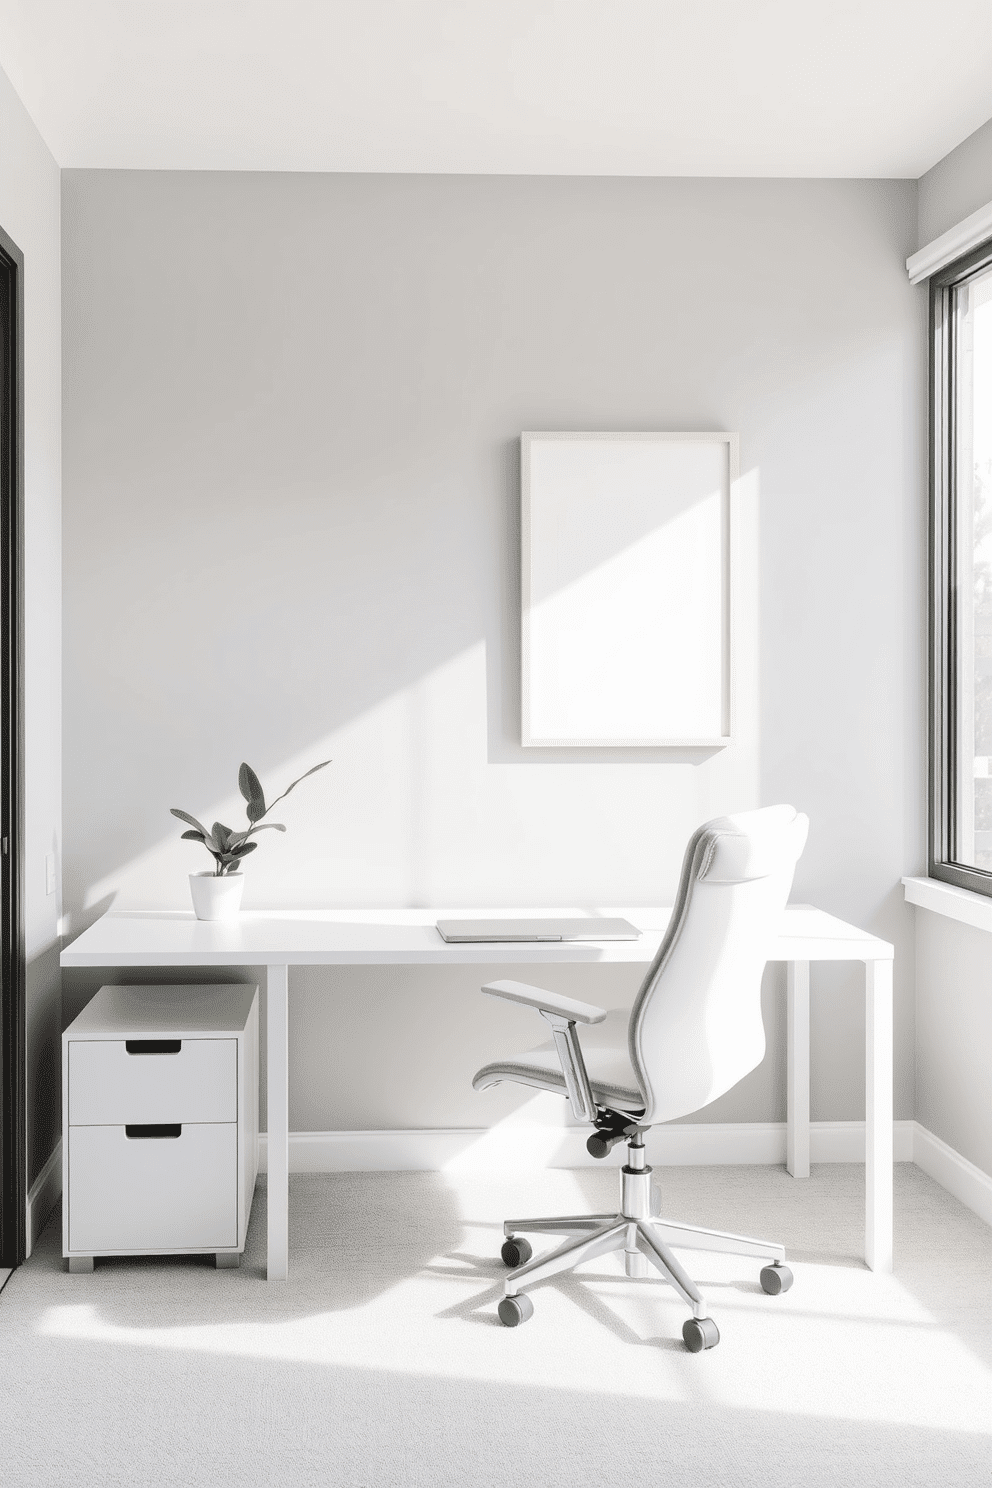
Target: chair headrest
x,y
753,844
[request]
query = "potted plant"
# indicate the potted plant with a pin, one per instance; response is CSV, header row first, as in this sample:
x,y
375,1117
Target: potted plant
x,y
217,892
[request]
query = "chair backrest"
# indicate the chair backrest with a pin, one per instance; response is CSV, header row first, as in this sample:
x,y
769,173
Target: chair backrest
x,y
695,1027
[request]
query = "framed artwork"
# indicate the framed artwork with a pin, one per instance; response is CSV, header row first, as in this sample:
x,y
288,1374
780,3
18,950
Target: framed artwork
x,y
627,558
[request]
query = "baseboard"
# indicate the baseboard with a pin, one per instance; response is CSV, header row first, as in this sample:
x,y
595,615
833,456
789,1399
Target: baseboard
x,y
697,1144
43,1195
518,1146
844,1141
952,1171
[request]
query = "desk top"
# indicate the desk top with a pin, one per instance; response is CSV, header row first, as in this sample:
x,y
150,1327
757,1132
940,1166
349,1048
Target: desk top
x,y
408,937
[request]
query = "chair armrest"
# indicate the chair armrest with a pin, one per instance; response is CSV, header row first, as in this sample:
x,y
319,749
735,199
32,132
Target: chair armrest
x,y
546,1002
562,1013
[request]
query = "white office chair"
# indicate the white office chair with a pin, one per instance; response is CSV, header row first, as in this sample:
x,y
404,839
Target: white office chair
x,y
695,1029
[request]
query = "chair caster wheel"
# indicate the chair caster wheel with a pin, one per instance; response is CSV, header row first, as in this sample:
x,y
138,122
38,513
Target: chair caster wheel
x,y
699,1334
516,1252
515,1310
775,1279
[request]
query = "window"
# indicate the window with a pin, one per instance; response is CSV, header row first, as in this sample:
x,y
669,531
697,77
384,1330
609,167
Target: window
x,y
961,573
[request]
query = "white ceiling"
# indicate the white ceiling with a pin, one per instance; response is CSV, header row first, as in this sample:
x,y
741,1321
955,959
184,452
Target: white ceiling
x,y
604,87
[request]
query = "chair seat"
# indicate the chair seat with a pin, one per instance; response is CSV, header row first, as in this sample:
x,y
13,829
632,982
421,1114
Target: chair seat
x,y
604,1049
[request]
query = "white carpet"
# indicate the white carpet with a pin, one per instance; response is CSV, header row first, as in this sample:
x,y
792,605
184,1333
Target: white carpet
x,y
381,1363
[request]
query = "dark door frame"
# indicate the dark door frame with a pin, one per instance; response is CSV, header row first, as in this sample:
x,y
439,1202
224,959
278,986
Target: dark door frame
x,y
13,1155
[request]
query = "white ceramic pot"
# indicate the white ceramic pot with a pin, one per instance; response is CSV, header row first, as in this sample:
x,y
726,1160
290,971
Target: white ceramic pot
x,y
216,898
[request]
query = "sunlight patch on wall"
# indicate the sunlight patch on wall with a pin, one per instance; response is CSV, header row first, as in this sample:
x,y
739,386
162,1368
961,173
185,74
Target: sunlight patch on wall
x,y
414,812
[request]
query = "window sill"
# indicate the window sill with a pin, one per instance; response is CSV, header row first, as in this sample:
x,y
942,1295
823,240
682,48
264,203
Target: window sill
x,y
947,899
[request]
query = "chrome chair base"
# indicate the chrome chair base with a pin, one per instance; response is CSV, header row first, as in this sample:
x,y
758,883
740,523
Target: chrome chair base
x,y
646,1241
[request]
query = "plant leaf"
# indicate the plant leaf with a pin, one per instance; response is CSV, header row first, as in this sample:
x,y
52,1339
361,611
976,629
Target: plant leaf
x,y
312,771
185,816
239,837
244,849
251,788
191,837
222,835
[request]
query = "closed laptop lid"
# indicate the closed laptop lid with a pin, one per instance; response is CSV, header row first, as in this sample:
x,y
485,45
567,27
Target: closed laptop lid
x,y
568,927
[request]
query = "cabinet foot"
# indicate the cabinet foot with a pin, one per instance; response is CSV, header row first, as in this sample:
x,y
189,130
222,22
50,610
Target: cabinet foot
x,y
227,1260
79,1264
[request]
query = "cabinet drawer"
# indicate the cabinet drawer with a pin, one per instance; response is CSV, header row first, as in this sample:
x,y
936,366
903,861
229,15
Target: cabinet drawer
x,y
109,1086
152,1193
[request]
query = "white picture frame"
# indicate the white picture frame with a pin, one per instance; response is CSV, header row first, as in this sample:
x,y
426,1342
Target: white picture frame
x,y
627,553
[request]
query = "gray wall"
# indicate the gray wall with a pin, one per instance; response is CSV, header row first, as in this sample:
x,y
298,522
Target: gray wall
x,y
954,1051
956,186
292,409
954,1031
29,213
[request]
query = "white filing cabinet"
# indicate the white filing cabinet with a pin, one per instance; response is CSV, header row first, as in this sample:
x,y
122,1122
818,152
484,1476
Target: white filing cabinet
x,y
160,1123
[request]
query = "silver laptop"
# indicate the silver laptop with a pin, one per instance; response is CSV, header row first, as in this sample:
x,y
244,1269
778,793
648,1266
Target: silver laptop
x,y
571,927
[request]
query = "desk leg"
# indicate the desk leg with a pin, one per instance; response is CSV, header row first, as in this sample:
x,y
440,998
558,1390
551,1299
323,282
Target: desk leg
x,y
797,1078
878,1124
277,1092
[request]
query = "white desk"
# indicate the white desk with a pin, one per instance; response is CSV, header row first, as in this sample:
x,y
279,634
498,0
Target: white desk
x,y
280,939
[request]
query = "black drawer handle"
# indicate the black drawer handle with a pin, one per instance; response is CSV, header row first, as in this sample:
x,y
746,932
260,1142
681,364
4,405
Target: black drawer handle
x,y
153,1046
160,1129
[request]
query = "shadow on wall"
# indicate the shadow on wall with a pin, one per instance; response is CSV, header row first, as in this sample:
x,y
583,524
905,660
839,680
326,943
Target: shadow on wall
x,y
44,1075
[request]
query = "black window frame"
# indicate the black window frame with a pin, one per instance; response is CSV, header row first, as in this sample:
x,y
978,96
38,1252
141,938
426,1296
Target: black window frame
x,y
13,1154
943,710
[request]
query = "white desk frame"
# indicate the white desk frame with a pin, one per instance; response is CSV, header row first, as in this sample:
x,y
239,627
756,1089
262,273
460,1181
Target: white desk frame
x,y
280,939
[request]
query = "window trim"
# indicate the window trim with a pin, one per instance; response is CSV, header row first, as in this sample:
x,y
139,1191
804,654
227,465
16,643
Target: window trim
x,y
13,1152
942,611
